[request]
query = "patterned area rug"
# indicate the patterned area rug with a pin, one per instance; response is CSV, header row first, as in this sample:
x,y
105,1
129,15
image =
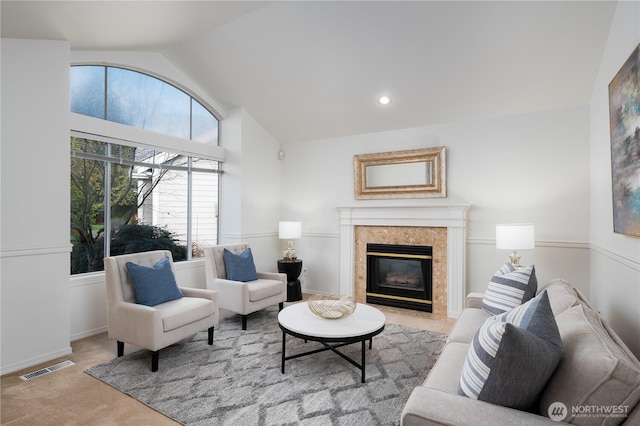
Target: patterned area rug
x,y
237,381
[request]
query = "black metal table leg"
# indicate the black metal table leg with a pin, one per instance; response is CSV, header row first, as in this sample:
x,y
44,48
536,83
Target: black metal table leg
x,y
363,363
331,344
284,339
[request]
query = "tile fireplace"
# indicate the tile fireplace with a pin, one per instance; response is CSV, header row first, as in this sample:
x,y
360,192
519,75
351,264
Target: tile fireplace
x,y
441,226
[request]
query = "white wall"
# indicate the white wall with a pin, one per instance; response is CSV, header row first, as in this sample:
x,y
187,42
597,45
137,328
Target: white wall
x,y
35,182
251,188
615,258
525,168
231,181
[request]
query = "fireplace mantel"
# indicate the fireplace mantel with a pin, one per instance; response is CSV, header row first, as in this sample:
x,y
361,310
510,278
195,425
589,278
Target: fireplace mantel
x,y
450,216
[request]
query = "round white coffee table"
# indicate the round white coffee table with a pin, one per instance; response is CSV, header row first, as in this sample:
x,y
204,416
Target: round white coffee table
x,y
298,321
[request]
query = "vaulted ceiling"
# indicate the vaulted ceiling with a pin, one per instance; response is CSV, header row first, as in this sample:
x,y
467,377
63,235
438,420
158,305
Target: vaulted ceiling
x,y
310,70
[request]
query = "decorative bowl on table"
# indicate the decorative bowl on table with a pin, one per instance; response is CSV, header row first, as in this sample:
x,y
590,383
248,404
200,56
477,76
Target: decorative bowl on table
x,y
332,306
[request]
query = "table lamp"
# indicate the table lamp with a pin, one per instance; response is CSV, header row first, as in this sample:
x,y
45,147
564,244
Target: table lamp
x,y
517,236
290,231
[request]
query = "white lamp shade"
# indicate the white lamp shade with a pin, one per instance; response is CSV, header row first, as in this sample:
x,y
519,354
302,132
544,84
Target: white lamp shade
x,y
517,236
290,230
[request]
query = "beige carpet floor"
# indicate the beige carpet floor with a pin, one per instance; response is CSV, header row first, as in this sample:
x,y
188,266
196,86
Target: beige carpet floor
x,y
71,397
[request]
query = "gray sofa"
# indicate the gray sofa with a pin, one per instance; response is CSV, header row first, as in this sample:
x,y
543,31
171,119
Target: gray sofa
x,y
597,380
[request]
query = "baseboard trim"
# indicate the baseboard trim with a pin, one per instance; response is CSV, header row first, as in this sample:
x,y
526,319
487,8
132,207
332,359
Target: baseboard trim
x,y
88,333
28,363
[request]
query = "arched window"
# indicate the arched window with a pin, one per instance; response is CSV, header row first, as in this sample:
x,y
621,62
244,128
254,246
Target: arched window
x,y
129,197
140,100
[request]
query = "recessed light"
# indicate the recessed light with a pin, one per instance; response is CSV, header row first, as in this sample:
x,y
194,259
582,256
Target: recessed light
x,y
384,100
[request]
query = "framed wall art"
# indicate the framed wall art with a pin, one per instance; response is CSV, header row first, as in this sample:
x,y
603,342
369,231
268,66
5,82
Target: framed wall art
x,y
624,118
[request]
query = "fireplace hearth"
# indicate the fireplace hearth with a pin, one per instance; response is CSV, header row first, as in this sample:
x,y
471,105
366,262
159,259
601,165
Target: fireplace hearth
x,y
400,276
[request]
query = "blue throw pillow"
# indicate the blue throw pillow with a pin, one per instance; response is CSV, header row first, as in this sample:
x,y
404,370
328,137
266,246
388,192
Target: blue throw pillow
x,y
509,287
240,267
154,284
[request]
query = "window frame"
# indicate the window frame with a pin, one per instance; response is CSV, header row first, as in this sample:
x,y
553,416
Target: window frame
x,y
116,133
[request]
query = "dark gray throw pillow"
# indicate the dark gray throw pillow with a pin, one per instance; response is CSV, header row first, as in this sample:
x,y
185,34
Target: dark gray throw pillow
x,y
535,316
507,365
513,355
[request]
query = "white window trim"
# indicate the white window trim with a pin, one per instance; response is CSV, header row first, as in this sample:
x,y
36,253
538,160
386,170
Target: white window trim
x,y
85,126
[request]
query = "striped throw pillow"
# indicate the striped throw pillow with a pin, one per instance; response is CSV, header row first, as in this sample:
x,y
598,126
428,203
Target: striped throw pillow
x,y
513,355
507,365
535,316
509,287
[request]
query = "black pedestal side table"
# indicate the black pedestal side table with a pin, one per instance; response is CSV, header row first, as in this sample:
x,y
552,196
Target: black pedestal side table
x,y
292,268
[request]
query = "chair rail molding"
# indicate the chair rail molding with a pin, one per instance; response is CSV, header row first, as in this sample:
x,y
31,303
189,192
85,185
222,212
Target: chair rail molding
x,y
35,251
623,259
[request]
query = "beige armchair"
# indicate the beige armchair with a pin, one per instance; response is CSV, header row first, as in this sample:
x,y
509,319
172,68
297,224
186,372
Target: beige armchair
x,y
154,327
243,297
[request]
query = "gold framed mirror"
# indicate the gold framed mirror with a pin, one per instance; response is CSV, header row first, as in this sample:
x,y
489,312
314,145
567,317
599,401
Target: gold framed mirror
x,y
417,173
